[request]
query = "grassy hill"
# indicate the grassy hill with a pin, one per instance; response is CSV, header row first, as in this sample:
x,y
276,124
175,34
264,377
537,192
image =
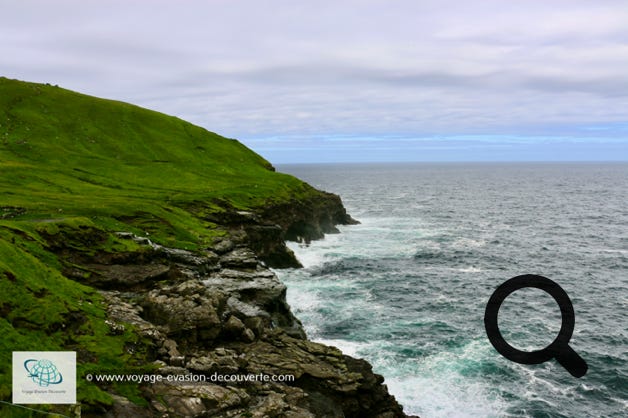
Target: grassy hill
x,y
74,169
66,154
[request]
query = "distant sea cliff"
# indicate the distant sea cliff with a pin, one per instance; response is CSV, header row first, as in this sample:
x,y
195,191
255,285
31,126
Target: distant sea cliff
x,y
144,243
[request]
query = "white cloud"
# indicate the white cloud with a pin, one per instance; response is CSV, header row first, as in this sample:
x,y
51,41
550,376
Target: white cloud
x,y
276,68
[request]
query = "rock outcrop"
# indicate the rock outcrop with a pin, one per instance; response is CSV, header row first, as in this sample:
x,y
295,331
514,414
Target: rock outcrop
x,y
222,312
150,314
266,231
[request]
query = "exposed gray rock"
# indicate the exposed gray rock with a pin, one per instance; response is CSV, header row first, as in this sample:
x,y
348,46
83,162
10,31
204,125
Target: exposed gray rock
x,y
247,310
121,312
255,324
234,326
240,258
262,289
213,362
120,276
191,400
248,335
256,294
223,245
172,370
123,408
223,312
188,308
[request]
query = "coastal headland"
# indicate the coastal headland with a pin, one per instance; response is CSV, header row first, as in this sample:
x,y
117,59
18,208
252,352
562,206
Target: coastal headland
x,y
144,243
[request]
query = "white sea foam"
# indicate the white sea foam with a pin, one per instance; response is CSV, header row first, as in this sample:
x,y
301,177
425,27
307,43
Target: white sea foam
x,y
304,299
312,255
462,243
447,396
623,402
443,298
437,386
469,270
373,238
612,251
436,371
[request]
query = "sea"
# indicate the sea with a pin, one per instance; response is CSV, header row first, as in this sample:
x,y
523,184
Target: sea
x,y
407,288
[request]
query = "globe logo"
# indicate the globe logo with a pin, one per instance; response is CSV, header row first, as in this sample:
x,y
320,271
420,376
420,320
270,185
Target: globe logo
x,y
43,372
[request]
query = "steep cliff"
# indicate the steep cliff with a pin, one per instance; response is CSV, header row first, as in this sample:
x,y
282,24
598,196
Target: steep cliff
x,y
143,243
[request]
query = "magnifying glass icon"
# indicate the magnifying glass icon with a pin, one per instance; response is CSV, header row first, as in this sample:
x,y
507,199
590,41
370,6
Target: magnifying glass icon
x,y
559,348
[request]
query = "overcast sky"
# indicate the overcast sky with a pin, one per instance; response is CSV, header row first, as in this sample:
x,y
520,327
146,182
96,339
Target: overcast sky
x,y
298,81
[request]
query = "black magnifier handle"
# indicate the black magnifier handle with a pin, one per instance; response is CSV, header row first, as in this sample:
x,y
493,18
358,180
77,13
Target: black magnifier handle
x,y
571,361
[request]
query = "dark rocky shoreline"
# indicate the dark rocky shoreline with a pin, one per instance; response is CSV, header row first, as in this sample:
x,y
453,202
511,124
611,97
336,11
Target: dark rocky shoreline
x,y
223,311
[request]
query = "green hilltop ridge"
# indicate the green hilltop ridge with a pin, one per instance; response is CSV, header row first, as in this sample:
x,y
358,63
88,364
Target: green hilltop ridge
x,y
75,171
65,154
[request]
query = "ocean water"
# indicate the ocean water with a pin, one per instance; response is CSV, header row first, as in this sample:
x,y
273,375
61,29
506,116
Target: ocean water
x,y
407,288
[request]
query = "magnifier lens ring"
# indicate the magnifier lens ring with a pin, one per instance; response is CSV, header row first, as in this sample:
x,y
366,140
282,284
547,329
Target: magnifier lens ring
x,y
512,285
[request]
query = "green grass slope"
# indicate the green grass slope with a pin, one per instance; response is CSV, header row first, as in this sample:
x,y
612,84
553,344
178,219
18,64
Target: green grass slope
x,y
80,168
66,154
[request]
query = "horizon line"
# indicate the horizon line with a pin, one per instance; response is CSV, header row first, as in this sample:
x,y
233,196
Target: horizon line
x,y
460,162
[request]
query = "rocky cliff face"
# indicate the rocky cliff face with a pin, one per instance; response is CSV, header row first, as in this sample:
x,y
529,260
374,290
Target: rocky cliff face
x,y
76,170
223,312
266,230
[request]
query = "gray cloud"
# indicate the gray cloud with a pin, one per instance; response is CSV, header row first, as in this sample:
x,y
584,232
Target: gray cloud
x,y
253,69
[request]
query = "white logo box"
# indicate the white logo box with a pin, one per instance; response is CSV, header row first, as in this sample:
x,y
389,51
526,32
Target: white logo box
x,y
44,377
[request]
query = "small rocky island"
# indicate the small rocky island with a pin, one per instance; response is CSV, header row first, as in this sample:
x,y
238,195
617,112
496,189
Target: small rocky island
x,y
144,244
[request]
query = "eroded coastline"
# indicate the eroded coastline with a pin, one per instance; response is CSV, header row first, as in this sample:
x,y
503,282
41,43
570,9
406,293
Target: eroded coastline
x,y
223,312
144,244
